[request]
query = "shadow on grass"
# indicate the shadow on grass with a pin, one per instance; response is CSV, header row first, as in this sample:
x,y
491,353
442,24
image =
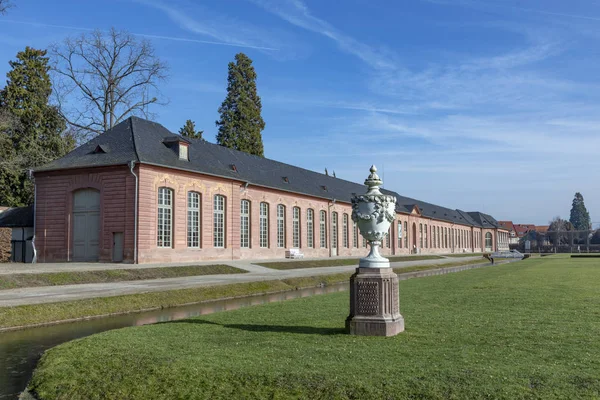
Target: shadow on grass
x,y
306,330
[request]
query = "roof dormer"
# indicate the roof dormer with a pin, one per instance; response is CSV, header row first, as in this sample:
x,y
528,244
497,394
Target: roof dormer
x,y
179,145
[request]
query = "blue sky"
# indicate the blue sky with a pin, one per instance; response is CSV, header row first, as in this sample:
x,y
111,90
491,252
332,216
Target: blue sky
x,y
489,105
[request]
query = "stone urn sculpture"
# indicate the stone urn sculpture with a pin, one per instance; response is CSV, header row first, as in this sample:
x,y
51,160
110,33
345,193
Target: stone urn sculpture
x,y
374,212
374,294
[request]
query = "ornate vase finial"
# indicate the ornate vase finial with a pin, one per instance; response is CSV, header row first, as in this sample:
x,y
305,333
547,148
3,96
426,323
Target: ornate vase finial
x,y
374,212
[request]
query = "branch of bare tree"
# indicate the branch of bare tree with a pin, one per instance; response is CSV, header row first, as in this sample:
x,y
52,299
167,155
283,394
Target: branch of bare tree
x,y
101,78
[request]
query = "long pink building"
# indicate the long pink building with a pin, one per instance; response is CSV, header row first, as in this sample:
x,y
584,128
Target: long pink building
x,y
139,193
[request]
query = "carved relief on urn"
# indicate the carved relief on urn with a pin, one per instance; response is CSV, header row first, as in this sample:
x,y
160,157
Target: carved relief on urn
x,y
373,212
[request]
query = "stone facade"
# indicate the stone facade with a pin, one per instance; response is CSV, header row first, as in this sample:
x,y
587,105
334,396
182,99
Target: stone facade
x,y
54,215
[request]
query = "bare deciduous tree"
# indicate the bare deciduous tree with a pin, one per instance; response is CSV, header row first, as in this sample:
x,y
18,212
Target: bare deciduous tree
x,y
101,78
5,5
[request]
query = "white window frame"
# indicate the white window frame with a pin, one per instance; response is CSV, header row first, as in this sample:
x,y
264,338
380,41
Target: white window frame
x,y
194,205
245,210
354,234
281,226
296,227
334,229
219,214
310,228
345,230
164,236
323,229
264,225
388,243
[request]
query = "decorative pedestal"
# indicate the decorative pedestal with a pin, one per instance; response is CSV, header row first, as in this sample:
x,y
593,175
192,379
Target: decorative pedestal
x,y
374,303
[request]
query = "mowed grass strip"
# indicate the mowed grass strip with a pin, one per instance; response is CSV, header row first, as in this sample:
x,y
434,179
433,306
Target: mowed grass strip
x,y
69,310
336,262
15,281
525,330
459,255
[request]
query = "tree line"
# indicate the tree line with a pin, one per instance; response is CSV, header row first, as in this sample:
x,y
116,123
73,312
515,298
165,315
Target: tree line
x,y
57,98
577,229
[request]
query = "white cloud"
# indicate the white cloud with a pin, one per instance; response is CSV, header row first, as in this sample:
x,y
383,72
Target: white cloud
x,y
295,12
226,30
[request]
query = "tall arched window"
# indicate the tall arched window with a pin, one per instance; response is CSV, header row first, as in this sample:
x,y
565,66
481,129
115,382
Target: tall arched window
x,y
310,228
263,222
426,241
354,234
322,229
406,234
193,219
165,217
334,230
345,230
421,236
387,237
296,227
280,226
245,224
438,236
446,238
399,234
488,240
219,221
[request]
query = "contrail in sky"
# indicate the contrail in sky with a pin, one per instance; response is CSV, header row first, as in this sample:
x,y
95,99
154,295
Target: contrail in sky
x,y
160,37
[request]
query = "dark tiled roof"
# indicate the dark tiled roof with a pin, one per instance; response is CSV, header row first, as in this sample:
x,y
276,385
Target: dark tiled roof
x,y
144,141
116,143
17,217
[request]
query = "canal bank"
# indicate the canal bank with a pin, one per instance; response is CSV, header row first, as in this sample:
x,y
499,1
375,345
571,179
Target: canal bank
x,y
20,350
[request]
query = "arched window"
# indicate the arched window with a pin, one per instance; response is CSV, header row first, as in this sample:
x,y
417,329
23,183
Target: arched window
x,y
420,235
488,240
310,228
399,234
193,219
280,226
296,227
263,225
322,229
387,237
406,234
245,224
345,230
334,230
438,237
354,234
219,221
445,238
426,241
165,217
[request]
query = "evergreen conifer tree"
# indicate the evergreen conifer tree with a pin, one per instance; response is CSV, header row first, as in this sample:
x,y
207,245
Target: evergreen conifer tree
x,y
33,131
241,124
189,130
580,218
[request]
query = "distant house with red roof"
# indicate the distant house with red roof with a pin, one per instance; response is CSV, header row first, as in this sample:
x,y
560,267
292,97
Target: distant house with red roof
x,y
522,229
510,227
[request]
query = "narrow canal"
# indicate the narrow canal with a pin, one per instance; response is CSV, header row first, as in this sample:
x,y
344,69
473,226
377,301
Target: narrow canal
x,y
20,350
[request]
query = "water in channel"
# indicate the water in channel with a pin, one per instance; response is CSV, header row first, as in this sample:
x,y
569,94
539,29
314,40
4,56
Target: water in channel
x,y
20,350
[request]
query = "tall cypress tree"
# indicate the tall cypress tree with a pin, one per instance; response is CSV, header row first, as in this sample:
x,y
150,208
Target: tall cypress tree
x,y
33,131
580,218
241,124
189,130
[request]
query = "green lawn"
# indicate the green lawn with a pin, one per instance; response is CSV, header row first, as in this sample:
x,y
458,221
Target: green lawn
x,y
14,281
68,310
336,262
525,330
458,255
